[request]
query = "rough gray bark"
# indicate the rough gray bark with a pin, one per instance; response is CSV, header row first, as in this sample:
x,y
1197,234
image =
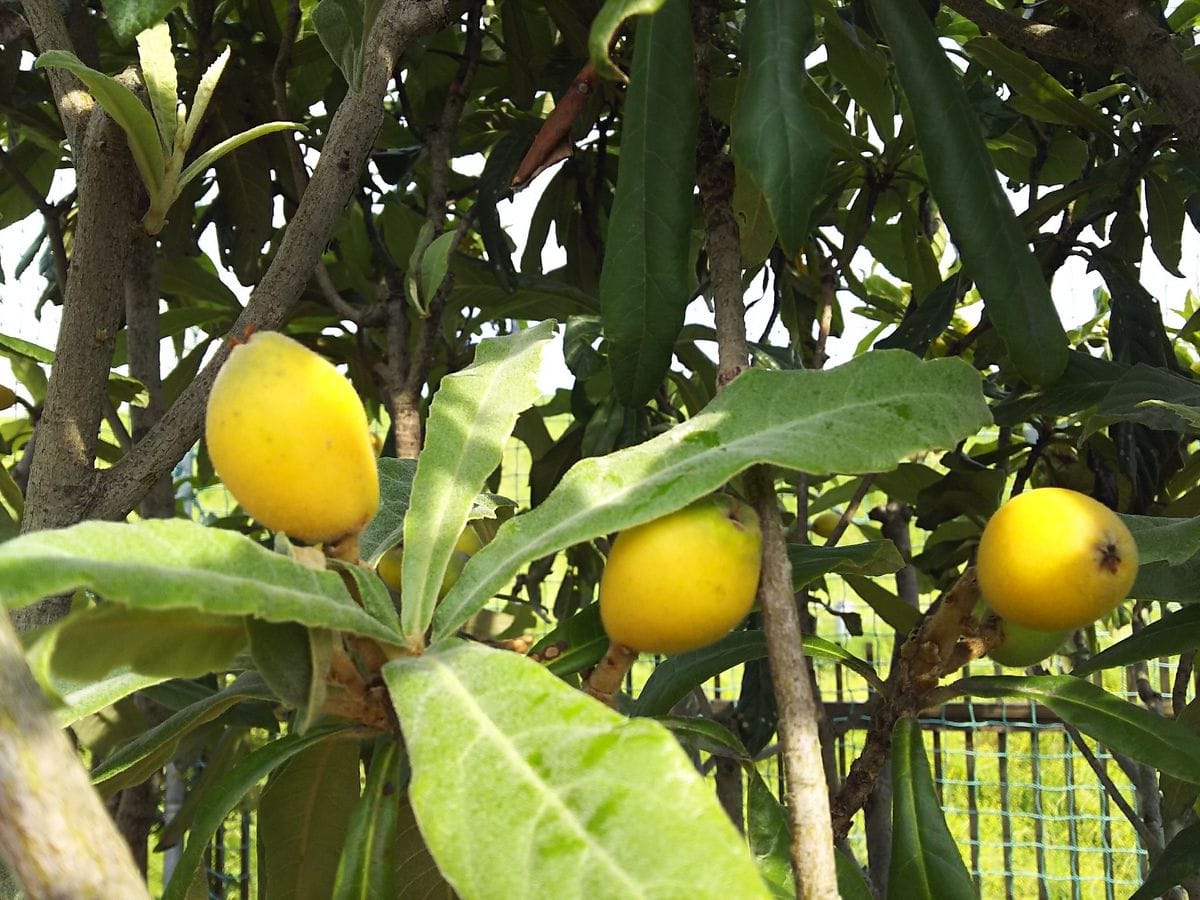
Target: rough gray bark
x,y
62,471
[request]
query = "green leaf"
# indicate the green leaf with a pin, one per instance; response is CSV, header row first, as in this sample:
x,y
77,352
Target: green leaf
x,y
158,74
416,872
470,419
675,677
810,562
386,530
605,27
434,263
1161,743
857,64
509,763
126,110
1162,539
861,417
1180,860
645,284
887,605
371,593
229,791
303,815
151,749
175,564
38,167
1150,396
1164,214
82,699
700,734
172,643
343,27
926,864
963,181
294,661
210,156
1173,634
775,135
128,18
1036,93
365,870
584,639
204,93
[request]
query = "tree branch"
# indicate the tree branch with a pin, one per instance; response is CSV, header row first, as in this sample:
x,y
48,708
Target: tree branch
x,y
1049,40
350,139
62,471
1128,32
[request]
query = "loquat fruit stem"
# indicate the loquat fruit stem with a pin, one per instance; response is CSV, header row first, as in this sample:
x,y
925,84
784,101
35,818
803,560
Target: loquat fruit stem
x,y
605,680
344,548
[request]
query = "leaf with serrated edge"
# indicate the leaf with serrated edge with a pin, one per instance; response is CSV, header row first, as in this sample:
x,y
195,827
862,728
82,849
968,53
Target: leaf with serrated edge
x,y
172,563
125,108
158,74
204,93
605,27
228,792
470,419
1136,732
861,417
509,763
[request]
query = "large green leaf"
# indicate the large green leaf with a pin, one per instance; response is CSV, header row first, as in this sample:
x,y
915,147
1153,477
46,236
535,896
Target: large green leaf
x,y
175,564
1132,730
1173,634
1150,396
303,815
645,284
470,419
365,870
510,763
775,136
1180,860
963,181
864,416
170,643
151,749
229,791
926,864
343,27
126,110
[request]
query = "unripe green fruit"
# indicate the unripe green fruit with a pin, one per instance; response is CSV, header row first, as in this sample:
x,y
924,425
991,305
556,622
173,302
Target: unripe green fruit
x,y
468,544
1052,559
288,436
826,523
682,581
1023,647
